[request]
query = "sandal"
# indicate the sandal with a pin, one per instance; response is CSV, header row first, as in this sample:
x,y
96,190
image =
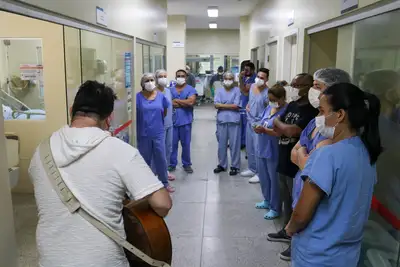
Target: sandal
x,y
263,205
270,215
171,177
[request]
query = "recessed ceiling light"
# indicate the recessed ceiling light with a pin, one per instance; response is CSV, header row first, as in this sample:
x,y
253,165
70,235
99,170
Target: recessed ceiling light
x,y
212,25
212,12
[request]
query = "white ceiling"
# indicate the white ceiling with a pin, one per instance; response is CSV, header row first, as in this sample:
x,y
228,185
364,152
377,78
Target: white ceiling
x,y
196,12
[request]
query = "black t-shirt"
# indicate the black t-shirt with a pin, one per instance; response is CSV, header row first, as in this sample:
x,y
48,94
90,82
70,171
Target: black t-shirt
x,y
300,115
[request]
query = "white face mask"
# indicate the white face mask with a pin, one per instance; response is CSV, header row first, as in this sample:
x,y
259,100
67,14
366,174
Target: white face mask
x,y
180,81
292,94
163,82
149,86
313,97
325,131
228,83
274,104
259,82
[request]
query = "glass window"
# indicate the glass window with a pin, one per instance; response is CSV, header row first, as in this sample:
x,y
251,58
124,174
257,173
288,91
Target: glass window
x,y
376,70
21,79
146,59
157,57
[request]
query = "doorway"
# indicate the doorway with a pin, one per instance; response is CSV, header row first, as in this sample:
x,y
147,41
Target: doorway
x,y
273,62
323,49
289,67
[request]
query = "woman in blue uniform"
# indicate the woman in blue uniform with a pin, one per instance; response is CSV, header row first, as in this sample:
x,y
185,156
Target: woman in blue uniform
x,y
267,152
151,108
227,102
339,181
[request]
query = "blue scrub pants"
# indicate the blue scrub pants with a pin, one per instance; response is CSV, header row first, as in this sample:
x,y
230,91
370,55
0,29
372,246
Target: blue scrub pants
x,y
251,144
229,133
243,122
184,135
152,150
169,135
269,182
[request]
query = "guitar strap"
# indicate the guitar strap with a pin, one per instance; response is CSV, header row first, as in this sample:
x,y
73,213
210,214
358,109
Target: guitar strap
x,y
74,206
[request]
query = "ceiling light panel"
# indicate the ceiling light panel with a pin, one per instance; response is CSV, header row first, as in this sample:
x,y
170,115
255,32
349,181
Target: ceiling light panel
x,y
212,12
212,25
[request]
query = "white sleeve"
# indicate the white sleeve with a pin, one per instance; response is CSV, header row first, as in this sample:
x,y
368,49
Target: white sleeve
x,y
137,176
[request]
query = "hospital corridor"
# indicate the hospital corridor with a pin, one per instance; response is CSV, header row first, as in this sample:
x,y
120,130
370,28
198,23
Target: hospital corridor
x,y
188,133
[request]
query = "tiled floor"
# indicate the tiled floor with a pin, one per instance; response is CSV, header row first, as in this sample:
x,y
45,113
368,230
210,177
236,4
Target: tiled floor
x,y
213,222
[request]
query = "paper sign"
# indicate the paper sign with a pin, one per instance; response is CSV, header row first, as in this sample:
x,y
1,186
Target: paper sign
x,y
177,44
31,72
128,69
101,16
348,5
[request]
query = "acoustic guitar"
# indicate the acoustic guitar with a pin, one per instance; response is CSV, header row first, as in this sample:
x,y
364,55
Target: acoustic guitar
x,y
146,231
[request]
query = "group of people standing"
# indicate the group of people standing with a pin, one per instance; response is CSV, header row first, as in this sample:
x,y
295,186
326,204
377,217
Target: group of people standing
x,y
164,118
312,145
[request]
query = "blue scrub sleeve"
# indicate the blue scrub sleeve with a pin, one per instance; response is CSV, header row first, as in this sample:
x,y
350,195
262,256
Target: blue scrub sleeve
x,y
319,168
165,102
236,101
217,97
191,92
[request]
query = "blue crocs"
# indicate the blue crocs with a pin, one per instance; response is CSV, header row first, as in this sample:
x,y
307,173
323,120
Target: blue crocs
x,y
271,214
263,205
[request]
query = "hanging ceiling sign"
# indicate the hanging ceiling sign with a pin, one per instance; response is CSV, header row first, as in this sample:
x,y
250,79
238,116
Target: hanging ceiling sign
x,y
101,16
348,5
291,18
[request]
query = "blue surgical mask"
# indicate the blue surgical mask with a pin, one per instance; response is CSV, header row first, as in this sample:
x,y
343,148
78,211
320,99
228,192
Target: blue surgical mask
x,y
274,104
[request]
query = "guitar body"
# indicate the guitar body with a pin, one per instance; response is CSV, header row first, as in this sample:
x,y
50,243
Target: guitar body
x,y
148,232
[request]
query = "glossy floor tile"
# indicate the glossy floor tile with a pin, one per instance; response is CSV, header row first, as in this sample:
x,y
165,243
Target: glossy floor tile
x,y
213,222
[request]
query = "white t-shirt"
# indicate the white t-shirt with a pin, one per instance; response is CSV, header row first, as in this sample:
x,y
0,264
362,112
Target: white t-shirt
x,y
99,170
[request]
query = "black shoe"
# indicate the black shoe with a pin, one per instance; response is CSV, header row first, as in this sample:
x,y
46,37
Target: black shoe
x,y
234,171
188,169
219,169
242,147
281,236
286,255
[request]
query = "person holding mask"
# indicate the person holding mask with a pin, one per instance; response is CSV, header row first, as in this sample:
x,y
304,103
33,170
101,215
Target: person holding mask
x,y
258,100
183,100
162,83
247,77
227,102
310,139
339,181
267,153
151,108
217,80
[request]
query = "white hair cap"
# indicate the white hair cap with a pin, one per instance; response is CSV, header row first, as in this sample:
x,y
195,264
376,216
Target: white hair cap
x,y
145,77
331,76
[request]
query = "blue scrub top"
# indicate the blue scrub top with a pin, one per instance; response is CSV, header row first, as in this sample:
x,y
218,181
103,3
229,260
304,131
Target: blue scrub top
x,y
244,99
267,145
150,115
168,119
182,116
310,143
257,105
224,96
333,236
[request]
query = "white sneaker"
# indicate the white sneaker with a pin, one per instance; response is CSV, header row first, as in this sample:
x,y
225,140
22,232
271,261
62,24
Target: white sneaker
x,y
254,180
247,173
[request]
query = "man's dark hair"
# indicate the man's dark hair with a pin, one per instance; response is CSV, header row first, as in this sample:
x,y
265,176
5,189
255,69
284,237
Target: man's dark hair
x,y
308,78
95,100
243,64
251,65
181,70
264,70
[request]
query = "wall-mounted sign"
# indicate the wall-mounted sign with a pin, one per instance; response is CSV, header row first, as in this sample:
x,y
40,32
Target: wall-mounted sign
x,y
128,69
101,16
177,44
291,18
348,5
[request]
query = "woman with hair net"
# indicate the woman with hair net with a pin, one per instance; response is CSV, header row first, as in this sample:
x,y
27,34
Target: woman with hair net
x,y
151,109
162,83
227,102
310,139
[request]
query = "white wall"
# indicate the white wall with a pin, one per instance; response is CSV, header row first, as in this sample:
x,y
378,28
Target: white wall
x,y
212,41
269,20
139,18
176,56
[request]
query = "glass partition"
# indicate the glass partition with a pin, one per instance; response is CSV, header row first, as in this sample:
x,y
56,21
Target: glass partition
x,y
146,59
21,79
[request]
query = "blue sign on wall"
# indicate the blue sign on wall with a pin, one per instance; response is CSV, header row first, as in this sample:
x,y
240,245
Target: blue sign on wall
x,y
128,70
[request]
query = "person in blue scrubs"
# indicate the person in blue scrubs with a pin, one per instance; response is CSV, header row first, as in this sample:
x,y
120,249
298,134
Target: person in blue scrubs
x,y
267,152
328,221
227,102
162,83
258,101
246,78
151,108
183,100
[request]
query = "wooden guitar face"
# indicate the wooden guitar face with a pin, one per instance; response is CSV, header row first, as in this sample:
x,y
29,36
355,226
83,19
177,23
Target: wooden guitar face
x,y
148,232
